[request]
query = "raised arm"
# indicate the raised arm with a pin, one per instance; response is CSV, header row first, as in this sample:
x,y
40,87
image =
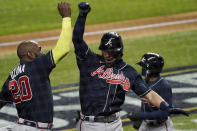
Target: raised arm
x,y
80,45
62,47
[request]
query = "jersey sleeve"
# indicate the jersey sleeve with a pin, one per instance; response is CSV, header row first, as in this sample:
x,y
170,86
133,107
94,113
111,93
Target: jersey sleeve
x,y
166,93
81,48
62,46
139,86
5,94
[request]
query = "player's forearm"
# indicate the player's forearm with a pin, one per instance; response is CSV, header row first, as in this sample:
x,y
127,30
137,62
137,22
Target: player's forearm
x,y
78,32
153,115
79,28
154,98
157,101
63,44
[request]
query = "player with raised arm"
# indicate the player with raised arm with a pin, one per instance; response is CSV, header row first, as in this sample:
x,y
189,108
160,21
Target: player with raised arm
x,y
105,79
28,85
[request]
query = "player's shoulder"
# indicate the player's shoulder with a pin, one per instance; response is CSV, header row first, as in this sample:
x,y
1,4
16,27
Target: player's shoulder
x,y
164,83
97,56
44,62
128,69
44,58
89,55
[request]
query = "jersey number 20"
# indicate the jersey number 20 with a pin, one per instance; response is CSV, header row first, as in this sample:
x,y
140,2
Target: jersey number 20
x,y
21,90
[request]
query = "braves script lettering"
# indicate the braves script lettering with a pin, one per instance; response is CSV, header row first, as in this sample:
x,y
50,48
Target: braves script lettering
x,y
112,78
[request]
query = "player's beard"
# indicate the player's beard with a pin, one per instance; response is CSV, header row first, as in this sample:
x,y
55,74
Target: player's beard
x,y
109,61
112,59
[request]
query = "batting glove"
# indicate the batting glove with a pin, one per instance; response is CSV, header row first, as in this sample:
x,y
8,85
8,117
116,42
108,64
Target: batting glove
x,y
133,116
177,111
172,110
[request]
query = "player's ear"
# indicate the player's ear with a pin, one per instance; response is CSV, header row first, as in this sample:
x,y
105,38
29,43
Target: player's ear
x,y
31,55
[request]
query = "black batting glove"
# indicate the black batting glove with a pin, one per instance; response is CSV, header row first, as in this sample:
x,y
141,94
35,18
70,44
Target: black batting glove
x,y
84,8
133,116
177,111
172,110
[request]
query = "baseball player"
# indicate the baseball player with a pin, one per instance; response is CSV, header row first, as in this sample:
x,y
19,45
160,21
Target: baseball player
x,y
152,65
104,80
28,85
153,118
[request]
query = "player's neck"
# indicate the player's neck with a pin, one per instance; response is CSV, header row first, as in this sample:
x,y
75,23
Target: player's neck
x,y
25,59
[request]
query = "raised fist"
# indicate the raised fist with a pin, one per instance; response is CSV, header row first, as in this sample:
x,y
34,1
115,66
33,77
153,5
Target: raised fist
x,y
84,8
64,9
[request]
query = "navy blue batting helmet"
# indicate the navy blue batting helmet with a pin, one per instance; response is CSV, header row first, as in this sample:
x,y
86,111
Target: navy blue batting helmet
x,y
112,41
152,63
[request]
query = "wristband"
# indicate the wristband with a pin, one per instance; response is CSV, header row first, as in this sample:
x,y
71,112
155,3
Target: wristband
x,y
164,106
